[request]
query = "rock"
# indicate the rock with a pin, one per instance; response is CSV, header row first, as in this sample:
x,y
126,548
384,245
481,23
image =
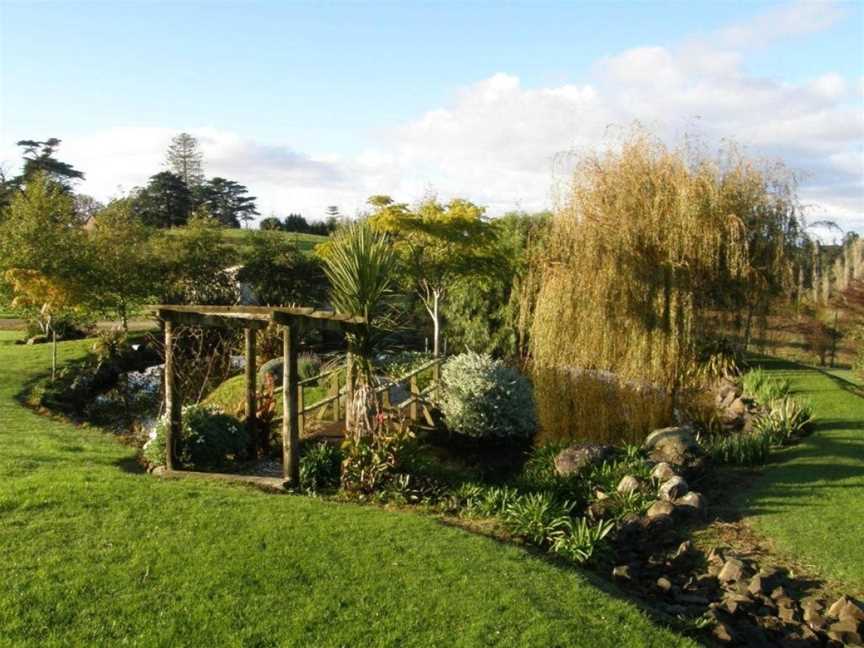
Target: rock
x,y
601,509
663,472
673,488
600,495
627,485
573,460
723,632
660,509
664,584
733,602
851,610
725,400
779,593
845,632
756,586
736,409
675,446
158,471
622,572
693,503
814,620
716,555
787,613
733,571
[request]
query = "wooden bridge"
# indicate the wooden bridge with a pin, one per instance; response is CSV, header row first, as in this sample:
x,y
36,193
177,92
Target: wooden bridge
x,y
326,417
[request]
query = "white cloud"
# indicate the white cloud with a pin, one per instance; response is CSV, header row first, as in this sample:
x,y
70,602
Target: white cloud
x,y
505,145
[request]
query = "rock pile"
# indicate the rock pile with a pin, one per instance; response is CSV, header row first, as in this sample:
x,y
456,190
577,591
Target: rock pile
x,y
736,412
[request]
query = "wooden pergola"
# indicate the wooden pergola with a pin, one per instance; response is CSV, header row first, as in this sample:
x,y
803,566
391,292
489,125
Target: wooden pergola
x,y
250,319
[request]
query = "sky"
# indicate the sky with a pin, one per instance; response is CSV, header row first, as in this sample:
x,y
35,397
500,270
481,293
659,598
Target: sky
x,y
318,104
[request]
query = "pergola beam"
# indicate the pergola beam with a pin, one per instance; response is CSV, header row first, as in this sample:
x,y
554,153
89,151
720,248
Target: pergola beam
x,y
214,320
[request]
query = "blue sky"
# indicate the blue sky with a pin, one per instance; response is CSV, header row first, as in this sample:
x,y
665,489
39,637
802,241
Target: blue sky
x,y
316,104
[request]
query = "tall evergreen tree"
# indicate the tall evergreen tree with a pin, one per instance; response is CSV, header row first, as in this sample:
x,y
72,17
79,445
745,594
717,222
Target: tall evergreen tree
x,y
185,159
39,159
227,201
165,202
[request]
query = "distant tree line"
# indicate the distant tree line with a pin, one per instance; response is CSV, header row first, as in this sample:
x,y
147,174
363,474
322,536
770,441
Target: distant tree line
x,y
297,223
168,199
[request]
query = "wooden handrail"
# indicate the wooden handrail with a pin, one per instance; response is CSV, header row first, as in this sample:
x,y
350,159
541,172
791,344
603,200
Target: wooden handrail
x,y
417,395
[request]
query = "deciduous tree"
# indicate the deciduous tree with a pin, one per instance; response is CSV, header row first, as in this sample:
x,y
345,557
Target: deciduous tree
x,y
437,245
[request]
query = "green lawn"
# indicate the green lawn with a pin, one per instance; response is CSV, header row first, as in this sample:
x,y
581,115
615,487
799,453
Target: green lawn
x,y
810,500
96,553
304,242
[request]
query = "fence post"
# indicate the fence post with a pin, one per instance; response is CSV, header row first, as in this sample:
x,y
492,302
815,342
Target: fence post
x,y
251,391
334,391
290,432
436,376
415,396
172,411
301,405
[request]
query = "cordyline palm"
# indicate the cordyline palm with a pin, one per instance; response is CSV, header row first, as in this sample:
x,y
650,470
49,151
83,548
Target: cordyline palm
x,y
361,266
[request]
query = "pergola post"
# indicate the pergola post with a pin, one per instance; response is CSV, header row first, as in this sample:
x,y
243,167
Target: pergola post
x,y
290,427
251,392
172,411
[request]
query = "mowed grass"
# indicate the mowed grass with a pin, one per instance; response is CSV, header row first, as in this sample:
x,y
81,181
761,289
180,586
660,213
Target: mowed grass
x,y
810,501
96,553
304,242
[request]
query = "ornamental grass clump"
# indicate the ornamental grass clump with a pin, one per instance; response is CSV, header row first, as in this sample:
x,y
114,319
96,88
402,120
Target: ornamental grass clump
x,y
484,398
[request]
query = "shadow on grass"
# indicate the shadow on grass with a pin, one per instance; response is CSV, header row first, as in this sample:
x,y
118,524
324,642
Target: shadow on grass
x,y
591,574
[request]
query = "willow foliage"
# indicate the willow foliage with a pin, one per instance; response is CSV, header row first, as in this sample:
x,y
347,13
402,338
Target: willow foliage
x,y
649,242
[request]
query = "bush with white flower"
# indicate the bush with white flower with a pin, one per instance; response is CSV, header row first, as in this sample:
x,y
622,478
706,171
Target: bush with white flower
x,y
208,437
484,398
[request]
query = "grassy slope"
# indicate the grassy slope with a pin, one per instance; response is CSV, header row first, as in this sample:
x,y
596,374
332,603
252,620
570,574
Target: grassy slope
x,y
811,498
95,553
304,242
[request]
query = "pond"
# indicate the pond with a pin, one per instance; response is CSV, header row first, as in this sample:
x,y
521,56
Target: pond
x,y
593,406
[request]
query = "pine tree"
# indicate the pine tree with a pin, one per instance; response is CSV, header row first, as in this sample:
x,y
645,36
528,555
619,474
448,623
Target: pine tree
x,y
185,160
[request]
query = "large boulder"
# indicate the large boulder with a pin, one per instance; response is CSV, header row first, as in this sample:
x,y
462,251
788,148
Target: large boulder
x,y
675,446
577,458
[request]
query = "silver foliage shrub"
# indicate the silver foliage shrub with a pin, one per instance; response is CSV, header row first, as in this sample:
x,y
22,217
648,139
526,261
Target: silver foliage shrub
x,y
482,397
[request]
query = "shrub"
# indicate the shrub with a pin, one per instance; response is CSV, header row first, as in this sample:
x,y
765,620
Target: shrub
x,y
745,449
207,437
484,398
579,541
536,517
787,420
320,466
483,501
372,460
764,388
308,365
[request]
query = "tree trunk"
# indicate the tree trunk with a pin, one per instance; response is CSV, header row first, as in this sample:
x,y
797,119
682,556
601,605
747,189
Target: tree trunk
x,y
53,353
436,326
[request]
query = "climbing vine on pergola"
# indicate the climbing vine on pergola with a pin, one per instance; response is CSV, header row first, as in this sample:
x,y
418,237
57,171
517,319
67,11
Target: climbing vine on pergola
x,y
251,319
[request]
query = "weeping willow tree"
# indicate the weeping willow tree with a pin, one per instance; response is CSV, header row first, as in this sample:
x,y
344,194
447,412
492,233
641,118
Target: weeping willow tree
x,y
648,246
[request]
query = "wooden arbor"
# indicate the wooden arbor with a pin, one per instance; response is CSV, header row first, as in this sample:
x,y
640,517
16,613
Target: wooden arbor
x,y
250,319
